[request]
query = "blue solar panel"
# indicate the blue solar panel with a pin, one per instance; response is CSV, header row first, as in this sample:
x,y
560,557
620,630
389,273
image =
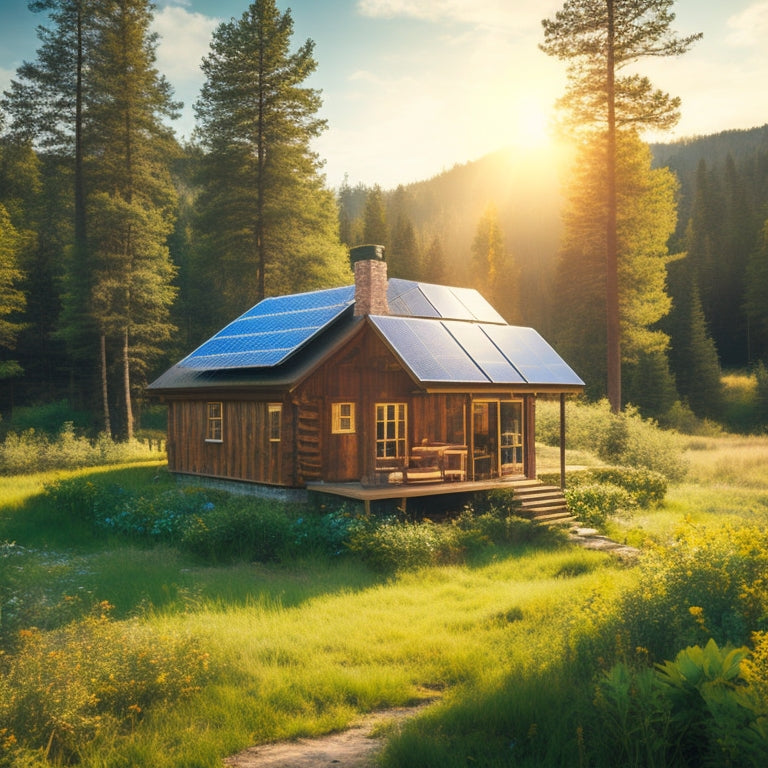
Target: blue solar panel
x,y
531,355
271,331
298,302
484,352
428,350
406,298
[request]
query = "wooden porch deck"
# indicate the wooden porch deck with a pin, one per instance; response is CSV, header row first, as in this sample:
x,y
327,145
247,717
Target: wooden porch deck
x,y
539,502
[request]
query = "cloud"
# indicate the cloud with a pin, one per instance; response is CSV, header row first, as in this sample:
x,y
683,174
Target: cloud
x,y
750,27
521,14
184,40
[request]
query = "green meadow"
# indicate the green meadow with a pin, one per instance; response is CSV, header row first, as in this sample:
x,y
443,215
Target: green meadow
x,y
119,649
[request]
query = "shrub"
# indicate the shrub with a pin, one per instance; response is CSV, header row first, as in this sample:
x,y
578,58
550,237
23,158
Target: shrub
x,y
389,545
31,451
708,583
324,534
625,439
593,504
238,529
49,704
645,487
479,530
700,709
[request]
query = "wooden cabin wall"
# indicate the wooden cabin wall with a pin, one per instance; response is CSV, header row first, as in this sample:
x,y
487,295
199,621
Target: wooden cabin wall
x,y
364,373
245,452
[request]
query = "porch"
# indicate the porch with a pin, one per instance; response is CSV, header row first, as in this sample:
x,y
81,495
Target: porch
x,y
539,502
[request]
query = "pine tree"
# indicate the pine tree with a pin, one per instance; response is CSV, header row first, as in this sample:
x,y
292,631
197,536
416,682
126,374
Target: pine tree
x,y
46,106
756,297
599,39
404,257
495,274
693,356
12,300
375,228
263,209
645,220
435,269
131,201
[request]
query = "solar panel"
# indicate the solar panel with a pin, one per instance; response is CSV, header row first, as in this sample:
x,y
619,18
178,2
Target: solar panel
x,y
270,332
445,301
405,297
536,360
484,352
477,306
428,350
298,302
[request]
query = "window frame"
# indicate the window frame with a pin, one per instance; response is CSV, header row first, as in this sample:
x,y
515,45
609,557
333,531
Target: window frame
x,y
338,418
274,427
214,422
397,437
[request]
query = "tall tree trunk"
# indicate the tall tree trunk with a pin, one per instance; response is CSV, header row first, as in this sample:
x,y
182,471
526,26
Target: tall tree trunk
x,y
613,330
104,387
127,386
80,217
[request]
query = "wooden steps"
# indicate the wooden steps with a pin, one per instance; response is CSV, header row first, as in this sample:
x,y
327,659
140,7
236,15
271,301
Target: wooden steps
x,y
541,503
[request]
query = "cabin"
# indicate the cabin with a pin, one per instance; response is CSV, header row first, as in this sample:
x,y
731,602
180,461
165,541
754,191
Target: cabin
x,y
387,388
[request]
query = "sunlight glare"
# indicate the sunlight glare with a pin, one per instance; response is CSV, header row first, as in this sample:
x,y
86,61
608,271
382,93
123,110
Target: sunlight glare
x,y
531,125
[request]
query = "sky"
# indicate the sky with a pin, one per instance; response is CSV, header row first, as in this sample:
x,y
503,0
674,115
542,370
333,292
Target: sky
x,y
411,88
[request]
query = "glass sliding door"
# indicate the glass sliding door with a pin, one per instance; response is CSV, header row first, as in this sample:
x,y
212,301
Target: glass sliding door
x,y
512,438
485,439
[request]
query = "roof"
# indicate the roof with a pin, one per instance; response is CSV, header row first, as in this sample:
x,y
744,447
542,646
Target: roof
x,y
442,336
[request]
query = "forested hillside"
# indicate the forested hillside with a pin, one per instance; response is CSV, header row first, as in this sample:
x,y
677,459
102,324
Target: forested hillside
x,y
120,251
719,291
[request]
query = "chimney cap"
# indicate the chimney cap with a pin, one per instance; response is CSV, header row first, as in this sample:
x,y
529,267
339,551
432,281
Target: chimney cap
x,y
366,253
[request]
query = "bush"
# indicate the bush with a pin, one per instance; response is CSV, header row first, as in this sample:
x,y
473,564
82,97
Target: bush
x,y
593,504
645,487
238,529
389,545
700,709
31,451
625,439
325,534
708,583
49,705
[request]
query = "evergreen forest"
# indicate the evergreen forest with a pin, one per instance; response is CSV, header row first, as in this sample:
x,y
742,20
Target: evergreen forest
x,y
122,249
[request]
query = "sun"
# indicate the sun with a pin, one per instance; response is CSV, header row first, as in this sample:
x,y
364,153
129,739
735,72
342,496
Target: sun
x,y
531,124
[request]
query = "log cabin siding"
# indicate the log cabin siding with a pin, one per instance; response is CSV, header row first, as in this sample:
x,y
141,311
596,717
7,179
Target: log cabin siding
x,y
244,453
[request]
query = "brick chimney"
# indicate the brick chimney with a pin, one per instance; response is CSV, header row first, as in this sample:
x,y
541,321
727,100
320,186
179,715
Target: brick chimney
x,y
370,280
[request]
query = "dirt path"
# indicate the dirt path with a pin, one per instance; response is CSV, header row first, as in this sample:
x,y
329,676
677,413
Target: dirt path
x,y
354,748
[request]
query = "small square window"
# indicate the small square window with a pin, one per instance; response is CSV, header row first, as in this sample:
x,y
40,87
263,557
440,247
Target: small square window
x,y
215,421
343,418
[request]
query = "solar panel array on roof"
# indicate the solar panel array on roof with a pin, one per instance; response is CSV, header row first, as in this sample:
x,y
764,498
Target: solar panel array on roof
x,y
536,360
454,351
412,299
272,331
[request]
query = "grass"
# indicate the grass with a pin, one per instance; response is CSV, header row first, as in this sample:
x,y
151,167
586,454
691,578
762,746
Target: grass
x,y
302,650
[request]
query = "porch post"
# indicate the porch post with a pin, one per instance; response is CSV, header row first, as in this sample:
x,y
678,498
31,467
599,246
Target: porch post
x,y
562,441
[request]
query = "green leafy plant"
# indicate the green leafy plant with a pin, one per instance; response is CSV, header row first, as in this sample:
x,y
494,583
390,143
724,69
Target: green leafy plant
x,y
711,707
594,504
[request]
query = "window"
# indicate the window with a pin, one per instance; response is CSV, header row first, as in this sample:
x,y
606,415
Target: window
x,y
390,430
213,430
343,418
274,415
